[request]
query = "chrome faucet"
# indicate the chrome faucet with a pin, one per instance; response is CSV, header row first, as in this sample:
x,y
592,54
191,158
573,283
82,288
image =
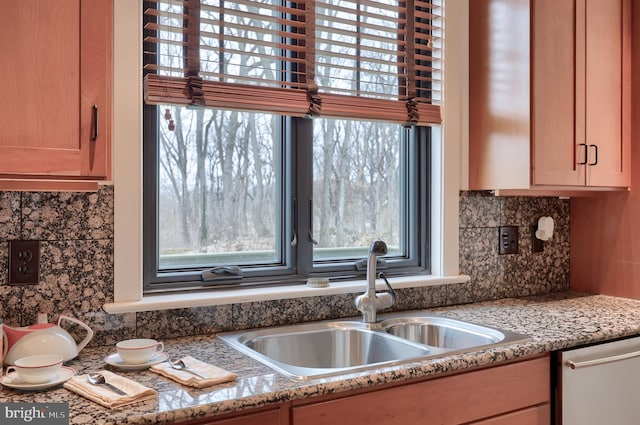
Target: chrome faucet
x,y
370,302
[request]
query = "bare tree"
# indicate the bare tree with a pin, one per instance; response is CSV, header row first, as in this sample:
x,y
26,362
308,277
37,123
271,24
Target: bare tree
x,y
174,161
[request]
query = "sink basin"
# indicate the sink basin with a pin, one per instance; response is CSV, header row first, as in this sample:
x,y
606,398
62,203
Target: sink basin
x,y
319,349
323,348
339,347
442,332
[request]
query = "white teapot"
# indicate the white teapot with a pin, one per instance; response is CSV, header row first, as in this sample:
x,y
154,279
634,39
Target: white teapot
x,y
42,338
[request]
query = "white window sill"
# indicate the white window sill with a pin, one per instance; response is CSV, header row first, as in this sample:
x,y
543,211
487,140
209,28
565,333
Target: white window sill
x,y
203,299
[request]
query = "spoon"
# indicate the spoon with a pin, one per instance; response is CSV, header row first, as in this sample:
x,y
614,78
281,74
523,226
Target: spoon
x,y
98,379
179,365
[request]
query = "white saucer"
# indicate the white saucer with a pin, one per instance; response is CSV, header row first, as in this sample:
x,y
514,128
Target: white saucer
x,y
116,361
12,380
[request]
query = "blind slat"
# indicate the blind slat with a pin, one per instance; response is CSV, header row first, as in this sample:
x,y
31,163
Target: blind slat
x,y
294,25
375,109
260,16
166,28
264,43
155,12
233,8
164,90
392,37
217,77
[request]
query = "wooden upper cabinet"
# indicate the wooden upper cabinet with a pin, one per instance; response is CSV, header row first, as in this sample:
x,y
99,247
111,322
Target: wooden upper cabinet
x,y
549,90
607,105
55,80
555,96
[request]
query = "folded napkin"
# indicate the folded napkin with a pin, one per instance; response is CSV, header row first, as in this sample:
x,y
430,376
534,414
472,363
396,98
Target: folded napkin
x,y
214,375
102,395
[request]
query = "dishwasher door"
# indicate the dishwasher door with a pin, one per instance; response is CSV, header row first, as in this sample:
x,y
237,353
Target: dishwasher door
x,y
600,384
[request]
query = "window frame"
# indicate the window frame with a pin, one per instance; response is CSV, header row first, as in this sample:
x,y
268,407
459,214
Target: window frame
x,y
298,264
449,174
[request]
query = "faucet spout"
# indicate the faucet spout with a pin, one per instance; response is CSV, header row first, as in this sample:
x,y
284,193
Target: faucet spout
x,y
370,302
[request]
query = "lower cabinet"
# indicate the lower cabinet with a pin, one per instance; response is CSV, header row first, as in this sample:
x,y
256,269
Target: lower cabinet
x,y
513,393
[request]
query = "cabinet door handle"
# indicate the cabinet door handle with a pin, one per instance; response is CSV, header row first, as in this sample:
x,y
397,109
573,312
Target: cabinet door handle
x,y
586,153
94,122
596,152
94,136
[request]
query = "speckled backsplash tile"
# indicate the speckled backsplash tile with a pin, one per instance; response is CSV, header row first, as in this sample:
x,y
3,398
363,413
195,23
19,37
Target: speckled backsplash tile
x,y
76,278
11,304
417,298
184,321
75,231
280,312
479,254
66,215
526,273
76,275
477,209
9,215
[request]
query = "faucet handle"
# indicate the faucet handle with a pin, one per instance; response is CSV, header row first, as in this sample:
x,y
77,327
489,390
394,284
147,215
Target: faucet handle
x,y
391,291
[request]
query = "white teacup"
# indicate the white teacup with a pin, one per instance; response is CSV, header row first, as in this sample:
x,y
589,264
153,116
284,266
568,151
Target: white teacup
x,y
139,350
37,369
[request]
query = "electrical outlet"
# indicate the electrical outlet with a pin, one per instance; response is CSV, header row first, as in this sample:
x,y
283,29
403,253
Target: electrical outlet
x,y
508,240
24,262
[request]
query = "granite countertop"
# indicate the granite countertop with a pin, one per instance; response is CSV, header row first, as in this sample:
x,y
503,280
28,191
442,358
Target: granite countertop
x,y
556,321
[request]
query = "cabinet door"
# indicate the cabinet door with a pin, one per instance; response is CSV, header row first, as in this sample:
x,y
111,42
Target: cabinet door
x,y
602,116
553,138
451,400
55,68
499,94
590,38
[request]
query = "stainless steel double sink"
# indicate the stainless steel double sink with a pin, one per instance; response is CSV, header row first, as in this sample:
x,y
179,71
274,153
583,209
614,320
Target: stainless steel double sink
x,y
319,349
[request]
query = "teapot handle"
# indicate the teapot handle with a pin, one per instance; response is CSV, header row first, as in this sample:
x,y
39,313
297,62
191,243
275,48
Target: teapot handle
x,y
89,335
5,344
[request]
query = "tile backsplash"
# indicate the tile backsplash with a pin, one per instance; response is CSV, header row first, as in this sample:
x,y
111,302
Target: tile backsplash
x,y
76,272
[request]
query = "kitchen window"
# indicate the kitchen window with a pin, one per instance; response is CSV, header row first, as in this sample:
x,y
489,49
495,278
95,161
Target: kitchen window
x,y
281,138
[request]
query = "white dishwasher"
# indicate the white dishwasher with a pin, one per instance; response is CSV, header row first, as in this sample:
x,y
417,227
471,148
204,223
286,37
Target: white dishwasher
x,y
599,384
